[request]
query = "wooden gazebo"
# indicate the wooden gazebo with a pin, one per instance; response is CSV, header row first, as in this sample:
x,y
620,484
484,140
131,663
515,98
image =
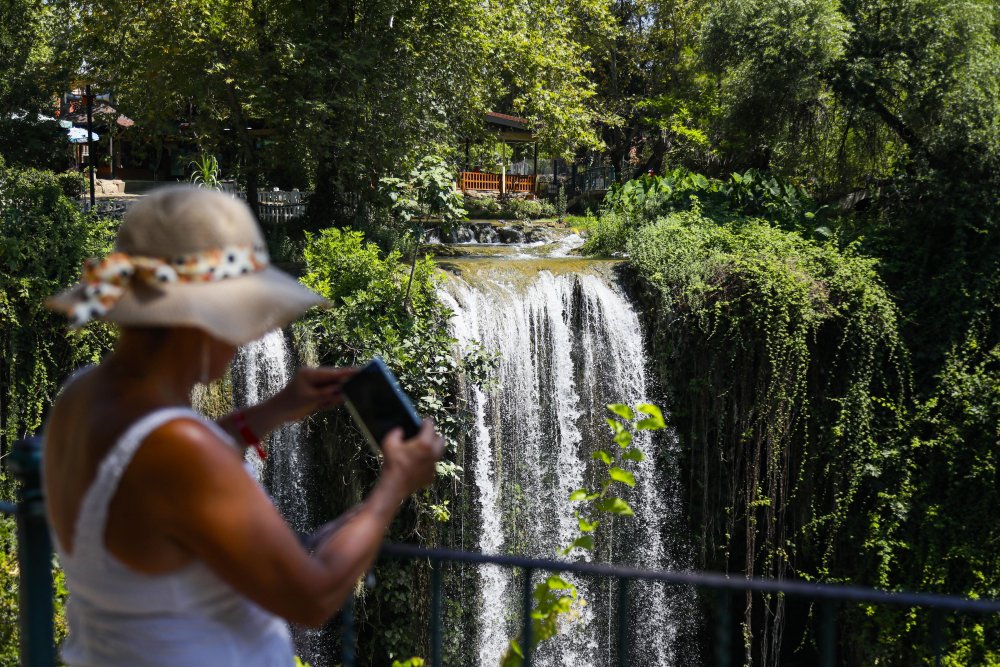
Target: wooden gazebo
x,y
510,130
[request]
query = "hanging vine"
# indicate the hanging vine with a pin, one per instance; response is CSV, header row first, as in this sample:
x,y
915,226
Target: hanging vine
x,y
787,375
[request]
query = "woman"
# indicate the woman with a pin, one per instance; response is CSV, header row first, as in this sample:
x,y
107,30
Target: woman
x,y
172,552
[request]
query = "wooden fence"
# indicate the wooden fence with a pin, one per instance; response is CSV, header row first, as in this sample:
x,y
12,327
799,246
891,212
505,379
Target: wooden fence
x,y
478,180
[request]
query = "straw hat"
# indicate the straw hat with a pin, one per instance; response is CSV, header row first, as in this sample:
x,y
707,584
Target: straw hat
x,y
188,257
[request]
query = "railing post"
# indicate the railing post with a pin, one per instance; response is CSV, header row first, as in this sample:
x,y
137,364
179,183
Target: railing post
x,y
827,634
623,647
347,632
723,635
937,636
34,557
436,611
526,623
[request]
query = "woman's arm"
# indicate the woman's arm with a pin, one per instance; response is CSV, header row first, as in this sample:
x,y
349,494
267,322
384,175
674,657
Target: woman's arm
x,y
310,390
205,502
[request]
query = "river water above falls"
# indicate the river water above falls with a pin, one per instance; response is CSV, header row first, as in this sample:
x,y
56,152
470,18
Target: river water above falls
x,y
568,343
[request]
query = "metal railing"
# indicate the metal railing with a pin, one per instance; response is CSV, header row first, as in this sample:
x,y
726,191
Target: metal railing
x,y
827,597
36,601
273,206
595,178
34,556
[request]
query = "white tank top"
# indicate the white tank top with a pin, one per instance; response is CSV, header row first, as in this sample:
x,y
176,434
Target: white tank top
x,y
122,618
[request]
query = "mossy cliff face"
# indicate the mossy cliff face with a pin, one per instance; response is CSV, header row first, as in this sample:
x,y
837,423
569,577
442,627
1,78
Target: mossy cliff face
x,y
786,380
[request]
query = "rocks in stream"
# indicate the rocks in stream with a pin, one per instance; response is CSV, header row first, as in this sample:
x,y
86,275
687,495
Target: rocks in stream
x,y
510,235
500,232
486,234
464,234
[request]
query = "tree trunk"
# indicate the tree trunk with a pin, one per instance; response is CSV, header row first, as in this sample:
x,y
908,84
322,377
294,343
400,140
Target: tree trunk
x,y
247,150
418,237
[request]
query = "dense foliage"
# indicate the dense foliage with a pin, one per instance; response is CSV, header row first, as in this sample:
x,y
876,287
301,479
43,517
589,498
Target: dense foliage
x,y
368,317
33,67
44,239
888,114
936,532
785,368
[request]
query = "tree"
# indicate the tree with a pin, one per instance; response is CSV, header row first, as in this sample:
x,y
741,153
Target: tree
x,y
427,192
33,71
353,92
217,67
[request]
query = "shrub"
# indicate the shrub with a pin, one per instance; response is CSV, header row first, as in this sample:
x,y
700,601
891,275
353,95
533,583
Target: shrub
x,y
44,239
73,183
608,235
482,207
367,318
522,209
513,208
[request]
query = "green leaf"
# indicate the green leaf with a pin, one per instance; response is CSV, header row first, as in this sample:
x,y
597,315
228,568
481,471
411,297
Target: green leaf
x,y
614,506
654,421
616,426
587,526
634,454
583,542
555,582
624,439
623,476
602,455
582,494
623,411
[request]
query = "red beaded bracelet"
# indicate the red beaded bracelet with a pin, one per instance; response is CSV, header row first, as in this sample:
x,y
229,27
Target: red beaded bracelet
x,y
250,438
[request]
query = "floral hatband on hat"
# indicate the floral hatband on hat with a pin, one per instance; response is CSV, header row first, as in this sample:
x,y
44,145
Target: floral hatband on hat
x,y
105,280
188,258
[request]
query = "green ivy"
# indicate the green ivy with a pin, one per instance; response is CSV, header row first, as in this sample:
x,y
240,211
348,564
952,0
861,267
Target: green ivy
x,y
939,532
557,602
788,384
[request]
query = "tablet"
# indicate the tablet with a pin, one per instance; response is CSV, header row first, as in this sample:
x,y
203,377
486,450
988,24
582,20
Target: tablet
x,y
378,405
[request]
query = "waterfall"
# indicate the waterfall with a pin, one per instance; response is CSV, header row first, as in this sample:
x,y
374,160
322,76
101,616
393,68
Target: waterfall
x,y
260,369
568,344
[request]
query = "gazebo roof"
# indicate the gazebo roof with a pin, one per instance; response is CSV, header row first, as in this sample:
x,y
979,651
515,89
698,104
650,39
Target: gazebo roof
x,y
509,128
506,120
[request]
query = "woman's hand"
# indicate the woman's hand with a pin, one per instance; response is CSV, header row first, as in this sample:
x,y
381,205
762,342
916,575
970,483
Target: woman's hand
x,y
410,464
310,390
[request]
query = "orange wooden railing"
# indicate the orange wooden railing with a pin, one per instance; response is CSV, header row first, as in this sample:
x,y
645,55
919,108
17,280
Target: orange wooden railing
x,y
477,180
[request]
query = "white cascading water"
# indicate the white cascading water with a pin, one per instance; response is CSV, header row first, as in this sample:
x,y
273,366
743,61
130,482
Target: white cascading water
x,y
568,344
260,370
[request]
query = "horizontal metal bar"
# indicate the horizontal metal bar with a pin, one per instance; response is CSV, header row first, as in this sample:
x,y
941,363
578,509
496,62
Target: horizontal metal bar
x,y
8,508
705,579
